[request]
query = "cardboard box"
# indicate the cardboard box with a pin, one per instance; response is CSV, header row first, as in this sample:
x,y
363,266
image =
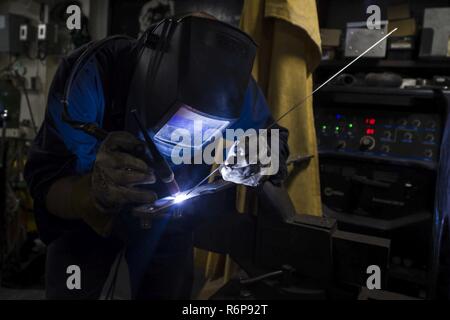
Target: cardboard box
x,y
330,37
406,27
400,11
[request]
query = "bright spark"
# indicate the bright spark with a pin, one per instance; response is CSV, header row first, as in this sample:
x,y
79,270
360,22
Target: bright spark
x,y
180,198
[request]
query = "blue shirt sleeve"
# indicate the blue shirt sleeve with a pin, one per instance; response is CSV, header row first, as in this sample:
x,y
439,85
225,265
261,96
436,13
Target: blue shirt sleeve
x,y
86,104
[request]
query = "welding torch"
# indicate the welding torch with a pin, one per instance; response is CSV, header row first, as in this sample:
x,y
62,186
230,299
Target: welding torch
x,y
162,169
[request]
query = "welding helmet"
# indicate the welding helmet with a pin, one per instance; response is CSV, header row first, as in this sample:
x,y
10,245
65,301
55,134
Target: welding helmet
x,y
190,68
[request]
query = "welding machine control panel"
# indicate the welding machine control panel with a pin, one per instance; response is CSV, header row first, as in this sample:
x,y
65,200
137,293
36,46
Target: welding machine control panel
x,y
391,134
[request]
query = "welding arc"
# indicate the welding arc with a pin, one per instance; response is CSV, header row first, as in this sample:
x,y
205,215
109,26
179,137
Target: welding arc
x,y
306,98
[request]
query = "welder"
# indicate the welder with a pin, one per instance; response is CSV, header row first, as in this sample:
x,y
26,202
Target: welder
x,y
84,187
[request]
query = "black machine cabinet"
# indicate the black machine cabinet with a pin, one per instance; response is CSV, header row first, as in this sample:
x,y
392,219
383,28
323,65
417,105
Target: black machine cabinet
x,y
379,152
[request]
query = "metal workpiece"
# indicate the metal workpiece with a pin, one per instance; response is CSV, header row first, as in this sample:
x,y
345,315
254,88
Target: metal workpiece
x,y
172,205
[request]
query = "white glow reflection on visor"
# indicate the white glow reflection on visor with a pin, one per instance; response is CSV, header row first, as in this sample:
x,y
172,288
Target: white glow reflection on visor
x,y
199,127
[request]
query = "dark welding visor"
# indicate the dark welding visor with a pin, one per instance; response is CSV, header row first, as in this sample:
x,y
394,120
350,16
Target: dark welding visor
x,y
191,68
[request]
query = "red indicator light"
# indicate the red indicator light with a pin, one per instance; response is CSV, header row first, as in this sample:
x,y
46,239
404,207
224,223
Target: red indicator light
x,y
370,131
370,121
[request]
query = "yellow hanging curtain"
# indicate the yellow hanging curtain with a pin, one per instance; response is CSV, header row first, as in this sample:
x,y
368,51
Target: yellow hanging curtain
x,y
287,32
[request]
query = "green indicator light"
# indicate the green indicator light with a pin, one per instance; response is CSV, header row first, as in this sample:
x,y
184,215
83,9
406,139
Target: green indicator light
x,y
337,128
350,125
324,127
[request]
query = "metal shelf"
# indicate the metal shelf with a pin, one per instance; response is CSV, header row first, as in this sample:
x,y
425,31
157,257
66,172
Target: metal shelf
x,y
377,223
385,63
419,93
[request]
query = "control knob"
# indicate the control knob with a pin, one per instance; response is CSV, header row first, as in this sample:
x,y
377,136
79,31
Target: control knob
x,y
429,138
366,143
341,145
